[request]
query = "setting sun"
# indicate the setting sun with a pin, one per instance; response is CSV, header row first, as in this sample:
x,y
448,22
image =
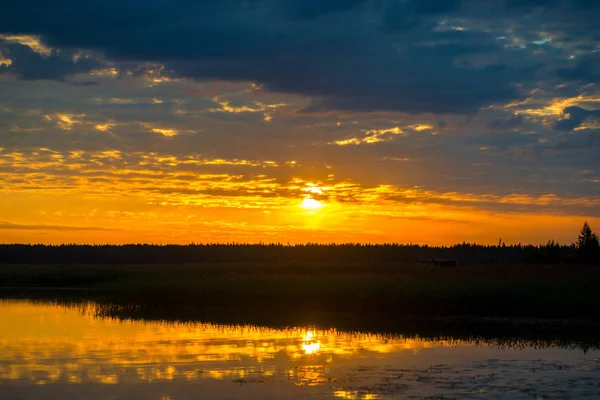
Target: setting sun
x,y
311,204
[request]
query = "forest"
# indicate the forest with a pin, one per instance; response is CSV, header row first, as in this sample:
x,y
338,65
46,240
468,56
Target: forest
x,y
585,250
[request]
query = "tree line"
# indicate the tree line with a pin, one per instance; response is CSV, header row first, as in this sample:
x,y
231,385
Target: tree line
x,y
585,250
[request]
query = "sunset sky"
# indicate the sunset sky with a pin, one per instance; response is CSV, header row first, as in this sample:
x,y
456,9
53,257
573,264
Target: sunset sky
x,y
178,121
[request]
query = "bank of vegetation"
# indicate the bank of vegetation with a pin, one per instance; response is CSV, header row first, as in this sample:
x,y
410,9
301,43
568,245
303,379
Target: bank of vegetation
x,y
506,290
585,250
295,281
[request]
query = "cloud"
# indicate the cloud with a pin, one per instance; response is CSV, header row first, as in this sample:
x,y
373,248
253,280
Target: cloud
x,y
29,64
430,7
579,142
341,52
586,70
573,117
11,226
573,5
509,123
315,9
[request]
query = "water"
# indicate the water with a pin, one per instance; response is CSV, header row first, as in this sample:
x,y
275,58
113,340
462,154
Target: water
x,y
51,351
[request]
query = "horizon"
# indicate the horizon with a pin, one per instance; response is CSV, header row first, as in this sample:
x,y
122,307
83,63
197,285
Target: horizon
x,y
499,243
290,244
431,122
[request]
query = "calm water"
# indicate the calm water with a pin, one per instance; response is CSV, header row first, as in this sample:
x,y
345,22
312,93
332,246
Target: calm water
x,y
56,352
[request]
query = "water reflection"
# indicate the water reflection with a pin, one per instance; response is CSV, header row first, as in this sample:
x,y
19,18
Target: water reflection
x,y
70,349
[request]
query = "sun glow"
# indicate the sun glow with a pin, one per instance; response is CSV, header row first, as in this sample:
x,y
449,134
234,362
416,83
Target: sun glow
x,y
311,204
310,345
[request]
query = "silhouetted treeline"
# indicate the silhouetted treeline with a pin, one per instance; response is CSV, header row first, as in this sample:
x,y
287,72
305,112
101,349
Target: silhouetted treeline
x,y
279,253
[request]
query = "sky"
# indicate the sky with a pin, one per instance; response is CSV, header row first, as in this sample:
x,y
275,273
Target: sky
x,y
179,121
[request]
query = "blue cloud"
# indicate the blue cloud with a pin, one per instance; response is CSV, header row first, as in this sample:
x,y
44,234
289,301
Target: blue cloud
x,y
357,55
431,7
30,65
318,8
586,70
573,117
509,123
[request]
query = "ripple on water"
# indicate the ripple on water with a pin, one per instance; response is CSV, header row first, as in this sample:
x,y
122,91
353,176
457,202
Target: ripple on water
x,y
49,351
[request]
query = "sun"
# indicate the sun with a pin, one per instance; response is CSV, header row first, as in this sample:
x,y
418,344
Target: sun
x,y
311,204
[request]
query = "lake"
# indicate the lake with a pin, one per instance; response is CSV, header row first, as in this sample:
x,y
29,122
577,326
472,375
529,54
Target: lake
x,y
57,351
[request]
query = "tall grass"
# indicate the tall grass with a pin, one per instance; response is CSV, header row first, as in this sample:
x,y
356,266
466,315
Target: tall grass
x,y
501,290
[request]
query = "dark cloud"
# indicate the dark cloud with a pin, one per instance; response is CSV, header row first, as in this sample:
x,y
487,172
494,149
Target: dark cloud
x,y
430,7
28,64
575,5
529,4
401,17
509,123
507,140
586,70
355,55
573,117
84,83
314,9
400,62
579,142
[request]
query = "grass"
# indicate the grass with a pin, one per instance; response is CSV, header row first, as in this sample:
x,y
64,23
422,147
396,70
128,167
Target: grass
x,y
510,290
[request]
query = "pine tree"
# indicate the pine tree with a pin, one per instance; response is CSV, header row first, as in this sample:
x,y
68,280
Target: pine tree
x,y
587,239
588,243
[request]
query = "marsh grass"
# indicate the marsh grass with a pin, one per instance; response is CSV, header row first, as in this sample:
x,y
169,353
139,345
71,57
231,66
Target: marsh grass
x,y
505,290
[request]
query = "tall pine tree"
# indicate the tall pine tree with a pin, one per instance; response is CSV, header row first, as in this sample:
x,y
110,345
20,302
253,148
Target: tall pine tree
x,y
587,243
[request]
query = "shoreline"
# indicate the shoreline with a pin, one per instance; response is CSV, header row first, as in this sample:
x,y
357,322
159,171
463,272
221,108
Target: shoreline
x,y
555,292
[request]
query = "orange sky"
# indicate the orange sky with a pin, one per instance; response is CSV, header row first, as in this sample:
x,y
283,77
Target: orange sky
x,y
112,155
120,213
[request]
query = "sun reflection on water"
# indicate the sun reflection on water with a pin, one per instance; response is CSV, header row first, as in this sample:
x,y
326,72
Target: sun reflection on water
x,y
355,395
54,345
310,345
47,343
